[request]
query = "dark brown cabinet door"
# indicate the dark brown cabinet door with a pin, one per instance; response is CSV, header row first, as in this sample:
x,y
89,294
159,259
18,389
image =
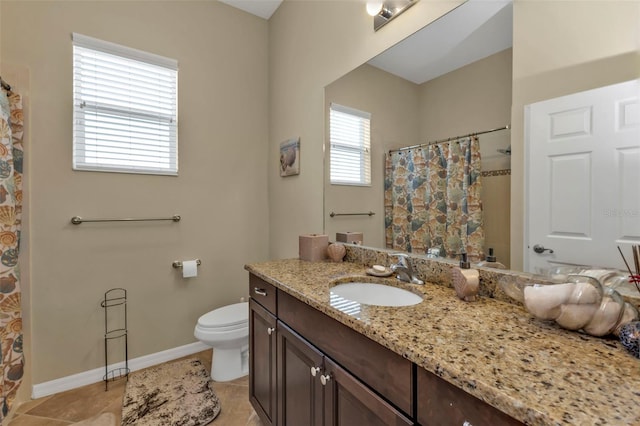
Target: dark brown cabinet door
x,y
299,389
262,362
349,402
443,404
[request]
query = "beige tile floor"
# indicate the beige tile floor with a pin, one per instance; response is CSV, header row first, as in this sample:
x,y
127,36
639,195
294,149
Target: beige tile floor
x,y
79,404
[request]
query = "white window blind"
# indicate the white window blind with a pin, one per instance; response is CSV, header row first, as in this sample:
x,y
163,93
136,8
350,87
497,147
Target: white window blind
x,y
125,109
350,142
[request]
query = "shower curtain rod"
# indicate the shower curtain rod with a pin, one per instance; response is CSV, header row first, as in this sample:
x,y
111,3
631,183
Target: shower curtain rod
x,y
507,127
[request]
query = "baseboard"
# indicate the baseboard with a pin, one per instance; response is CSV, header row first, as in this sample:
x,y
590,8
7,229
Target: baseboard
x,y
93,376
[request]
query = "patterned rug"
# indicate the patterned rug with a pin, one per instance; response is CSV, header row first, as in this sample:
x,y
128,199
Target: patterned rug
x,y
174,394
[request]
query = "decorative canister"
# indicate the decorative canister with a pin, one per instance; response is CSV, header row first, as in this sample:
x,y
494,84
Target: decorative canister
x,y
313,247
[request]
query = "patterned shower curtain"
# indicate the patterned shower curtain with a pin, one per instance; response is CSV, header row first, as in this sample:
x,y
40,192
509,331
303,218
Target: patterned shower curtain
x,y
11,155
432,199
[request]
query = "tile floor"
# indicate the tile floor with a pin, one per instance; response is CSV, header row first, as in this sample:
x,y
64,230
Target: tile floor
x,y
79,404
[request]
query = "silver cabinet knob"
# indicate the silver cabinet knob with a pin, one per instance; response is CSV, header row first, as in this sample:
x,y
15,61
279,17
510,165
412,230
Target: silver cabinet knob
x,y
324,379
314,371
270,330
467,423
541,249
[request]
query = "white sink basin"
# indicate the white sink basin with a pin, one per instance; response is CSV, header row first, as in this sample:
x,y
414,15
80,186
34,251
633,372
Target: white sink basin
x,y
375,294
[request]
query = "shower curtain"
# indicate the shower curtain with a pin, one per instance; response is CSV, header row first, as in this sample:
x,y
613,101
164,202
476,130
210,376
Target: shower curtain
x,y
432,199
11,155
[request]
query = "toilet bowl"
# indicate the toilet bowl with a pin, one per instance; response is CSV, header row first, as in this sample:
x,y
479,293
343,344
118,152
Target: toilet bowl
x,y
226,329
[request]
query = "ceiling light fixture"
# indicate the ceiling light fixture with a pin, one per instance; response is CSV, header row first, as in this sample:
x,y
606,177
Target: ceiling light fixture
x,y
374,7
385,11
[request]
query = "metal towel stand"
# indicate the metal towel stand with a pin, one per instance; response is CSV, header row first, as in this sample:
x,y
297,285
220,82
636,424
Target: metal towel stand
x,y
112,298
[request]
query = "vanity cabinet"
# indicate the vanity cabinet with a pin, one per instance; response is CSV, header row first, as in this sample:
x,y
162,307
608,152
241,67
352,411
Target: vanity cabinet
x,y
309,369
315,391
442,404
311,387
262,351
383,370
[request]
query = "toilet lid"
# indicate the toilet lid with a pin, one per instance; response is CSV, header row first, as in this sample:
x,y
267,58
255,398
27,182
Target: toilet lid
x,y
226,316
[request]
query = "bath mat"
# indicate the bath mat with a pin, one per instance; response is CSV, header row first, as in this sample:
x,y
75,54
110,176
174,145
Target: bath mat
x,y
104,419
173,394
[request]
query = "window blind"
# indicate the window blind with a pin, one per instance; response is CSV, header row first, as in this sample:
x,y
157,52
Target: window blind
x,y
124,109
350,142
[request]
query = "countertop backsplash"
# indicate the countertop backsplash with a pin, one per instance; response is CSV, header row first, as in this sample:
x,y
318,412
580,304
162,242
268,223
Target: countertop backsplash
x,y
438,271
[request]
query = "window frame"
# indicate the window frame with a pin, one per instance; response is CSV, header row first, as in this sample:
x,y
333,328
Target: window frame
x,y
360,152
152,127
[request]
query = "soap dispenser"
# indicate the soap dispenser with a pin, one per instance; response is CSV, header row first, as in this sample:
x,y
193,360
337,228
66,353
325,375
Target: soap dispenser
x,y
491,261
466,281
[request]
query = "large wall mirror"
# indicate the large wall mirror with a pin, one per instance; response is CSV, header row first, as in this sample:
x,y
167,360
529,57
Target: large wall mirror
x,y
451,78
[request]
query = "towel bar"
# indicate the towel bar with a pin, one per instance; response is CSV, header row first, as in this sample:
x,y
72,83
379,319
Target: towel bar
x,y
332,214
77,220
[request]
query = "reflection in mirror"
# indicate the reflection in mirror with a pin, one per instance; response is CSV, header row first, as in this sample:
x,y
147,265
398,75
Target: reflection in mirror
x,y
461,84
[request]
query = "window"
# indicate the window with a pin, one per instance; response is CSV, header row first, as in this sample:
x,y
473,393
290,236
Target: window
x,y
124,109
349,139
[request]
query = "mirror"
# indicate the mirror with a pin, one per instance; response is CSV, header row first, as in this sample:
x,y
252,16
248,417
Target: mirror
x,y
451,78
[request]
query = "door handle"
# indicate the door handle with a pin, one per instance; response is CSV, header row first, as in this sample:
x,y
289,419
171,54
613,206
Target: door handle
x,y
270,330
314,371
541,249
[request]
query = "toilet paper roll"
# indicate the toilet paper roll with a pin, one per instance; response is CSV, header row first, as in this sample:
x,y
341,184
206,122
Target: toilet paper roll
x,y
189,268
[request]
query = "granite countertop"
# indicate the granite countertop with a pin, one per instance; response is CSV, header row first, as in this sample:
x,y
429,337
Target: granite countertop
x,y
532,370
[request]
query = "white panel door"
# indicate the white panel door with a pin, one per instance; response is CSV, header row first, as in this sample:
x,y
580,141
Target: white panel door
x,y
583,178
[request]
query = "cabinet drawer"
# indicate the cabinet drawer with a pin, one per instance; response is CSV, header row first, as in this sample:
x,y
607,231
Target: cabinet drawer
x,y
386,372
263,293
441,403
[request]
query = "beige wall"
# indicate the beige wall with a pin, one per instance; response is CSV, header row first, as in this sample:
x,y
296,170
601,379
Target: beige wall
x,y
561,48
472,98
221,192
393,104
496,199
311,44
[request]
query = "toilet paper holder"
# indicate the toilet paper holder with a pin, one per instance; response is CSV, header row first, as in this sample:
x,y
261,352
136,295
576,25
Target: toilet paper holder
x,y
178,264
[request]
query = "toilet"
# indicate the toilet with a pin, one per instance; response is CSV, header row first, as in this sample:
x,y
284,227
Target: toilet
x,y
226,329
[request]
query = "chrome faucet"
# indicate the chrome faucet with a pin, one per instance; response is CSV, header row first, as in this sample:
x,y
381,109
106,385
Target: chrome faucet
x,y
404,269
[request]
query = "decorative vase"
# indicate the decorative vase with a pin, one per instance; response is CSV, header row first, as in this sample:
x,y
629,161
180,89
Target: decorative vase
x,y
336,252
575,302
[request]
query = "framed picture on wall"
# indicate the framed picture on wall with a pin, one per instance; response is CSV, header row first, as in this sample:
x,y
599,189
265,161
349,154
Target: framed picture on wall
x,y
290,157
